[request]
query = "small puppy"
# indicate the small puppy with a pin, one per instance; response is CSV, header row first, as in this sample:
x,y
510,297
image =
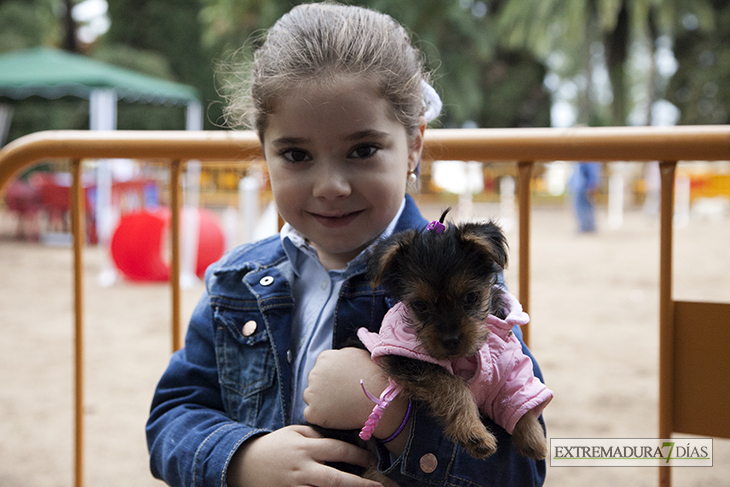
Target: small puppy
x,y
448,342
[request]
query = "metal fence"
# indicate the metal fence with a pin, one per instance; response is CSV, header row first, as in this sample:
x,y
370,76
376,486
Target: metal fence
x,y
523,147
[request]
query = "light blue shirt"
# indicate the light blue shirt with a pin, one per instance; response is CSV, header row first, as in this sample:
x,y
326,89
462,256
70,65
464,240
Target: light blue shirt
x,y
315,291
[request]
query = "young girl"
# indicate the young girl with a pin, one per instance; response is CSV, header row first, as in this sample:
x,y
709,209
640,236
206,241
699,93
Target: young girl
x,y
336,95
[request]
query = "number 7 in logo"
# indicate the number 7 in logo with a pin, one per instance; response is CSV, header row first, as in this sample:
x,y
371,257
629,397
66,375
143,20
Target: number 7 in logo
x,y
670,444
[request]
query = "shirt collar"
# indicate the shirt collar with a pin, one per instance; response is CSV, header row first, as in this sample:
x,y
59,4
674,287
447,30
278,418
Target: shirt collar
x,y
297,248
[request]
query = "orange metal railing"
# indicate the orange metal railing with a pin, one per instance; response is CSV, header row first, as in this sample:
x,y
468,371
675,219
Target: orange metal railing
x,y
524,146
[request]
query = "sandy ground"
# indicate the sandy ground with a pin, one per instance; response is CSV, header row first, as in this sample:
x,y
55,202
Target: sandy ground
x,y
594,332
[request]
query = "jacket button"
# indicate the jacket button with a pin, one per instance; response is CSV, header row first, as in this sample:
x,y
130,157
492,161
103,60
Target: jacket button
x,y
288,356
266,281
428,463
249,328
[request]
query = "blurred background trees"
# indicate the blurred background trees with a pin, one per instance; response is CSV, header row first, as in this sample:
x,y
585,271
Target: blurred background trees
x,y
497,63
697,88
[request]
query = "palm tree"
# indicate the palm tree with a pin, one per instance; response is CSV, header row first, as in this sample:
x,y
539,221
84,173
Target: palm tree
x,y
573,26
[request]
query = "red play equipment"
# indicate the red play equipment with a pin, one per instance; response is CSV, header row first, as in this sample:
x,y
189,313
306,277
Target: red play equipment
x,y
138,244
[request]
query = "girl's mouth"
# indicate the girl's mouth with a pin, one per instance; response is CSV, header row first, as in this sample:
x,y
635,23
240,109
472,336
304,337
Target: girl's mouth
x,y
335,221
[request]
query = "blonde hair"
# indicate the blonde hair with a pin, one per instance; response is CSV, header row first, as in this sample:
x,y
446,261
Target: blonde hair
x,y
324,43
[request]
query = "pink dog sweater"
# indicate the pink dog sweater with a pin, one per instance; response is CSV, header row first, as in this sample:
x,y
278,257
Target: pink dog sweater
x,y
499,376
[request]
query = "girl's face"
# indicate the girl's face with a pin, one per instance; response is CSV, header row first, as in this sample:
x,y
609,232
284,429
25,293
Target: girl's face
x,y
338,162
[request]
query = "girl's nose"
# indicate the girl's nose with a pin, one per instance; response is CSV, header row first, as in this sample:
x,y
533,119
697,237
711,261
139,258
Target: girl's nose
x,y
331,183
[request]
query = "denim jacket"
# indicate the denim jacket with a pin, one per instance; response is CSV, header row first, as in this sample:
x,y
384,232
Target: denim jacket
x,y
229,385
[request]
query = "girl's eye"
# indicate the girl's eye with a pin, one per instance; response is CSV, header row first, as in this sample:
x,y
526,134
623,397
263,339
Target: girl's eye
x,y
363,151
295,155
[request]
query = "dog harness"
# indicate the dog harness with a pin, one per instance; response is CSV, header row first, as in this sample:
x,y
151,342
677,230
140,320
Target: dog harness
x,y
499,376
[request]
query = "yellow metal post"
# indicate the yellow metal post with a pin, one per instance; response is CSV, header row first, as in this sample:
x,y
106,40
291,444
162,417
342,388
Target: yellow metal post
x,y
524,177
78,208
666,312
175,171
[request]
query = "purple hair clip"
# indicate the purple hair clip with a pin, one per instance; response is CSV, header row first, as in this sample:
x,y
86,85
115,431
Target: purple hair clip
x,y
436,226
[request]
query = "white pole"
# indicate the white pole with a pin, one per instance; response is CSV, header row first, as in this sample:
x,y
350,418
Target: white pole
x,y
103,116
6,117
230,226
652,185
248,205
616,197
507,202
190,215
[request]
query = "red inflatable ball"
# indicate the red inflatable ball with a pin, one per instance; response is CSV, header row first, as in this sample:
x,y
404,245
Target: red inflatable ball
x,y
140,243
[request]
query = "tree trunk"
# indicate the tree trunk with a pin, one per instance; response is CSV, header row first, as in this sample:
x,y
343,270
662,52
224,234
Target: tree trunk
x,y
70,44
617,47
651,94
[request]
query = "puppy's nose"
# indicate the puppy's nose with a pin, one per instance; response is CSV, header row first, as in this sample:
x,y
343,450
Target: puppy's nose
x,y
450,342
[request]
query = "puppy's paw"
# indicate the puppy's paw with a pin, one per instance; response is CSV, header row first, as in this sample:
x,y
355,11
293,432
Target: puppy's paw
x,y
477,440
529,438
481,446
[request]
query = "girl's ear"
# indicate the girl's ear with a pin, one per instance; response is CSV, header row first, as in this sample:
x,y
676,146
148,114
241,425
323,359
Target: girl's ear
x,y
415,149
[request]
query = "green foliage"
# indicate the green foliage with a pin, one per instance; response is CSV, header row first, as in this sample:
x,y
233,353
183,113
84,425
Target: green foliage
x,y
546,27
25,24
135,116
513,92
166,32
699,88
159,38
228,24
462,48
148,62
36,114
182,40
489,57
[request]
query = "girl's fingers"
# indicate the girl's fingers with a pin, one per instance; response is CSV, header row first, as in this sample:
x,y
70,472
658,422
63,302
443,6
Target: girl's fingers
x,y
306,431
331,450
333,477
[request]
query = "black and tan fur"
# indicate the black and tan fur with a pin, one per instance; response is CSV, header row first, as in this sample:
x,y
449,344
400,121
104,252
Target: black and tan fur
x,y
448,283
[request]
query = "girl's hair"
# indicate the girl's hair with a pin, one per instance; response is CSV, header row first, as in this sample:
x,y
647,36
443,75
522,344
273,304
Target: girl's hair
x,y
324,43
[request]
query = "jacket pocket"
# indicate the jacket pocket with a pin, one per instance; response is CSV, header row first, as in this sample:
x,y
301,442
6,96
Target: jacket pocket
x,y
246,365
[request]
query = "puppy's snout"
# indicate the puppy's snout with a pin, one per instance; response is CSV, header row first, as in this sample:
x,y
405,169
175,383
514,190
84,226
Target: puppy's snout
x,y
450,341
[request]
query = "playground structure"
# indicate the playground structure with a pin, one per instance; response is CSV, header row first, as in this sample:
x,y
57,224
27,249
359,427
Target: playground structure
x,y
138,243
41,206
525,145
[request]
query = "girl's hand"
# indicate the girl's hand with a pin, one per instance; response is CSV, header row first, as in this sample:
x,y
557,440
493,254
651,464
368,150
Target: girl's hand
x,y
336,400
295,456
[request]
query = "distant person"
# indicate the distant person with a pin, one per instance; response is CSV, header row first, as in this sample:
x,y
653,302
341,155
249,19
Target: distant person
x,y
583,184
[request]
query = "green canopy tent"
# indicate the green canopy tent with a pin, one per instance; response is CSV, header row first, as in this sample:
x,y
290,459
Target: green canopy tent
x,y
52,74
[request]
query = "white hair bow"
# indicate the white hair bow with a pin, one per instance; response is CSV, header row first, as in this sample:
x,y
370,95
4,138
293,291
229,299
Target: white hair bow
x,y
431,101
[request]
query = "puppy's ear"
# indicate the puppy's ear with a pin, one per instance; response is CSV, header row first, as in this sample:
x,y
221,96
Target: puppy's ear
x,y
385,256
489,238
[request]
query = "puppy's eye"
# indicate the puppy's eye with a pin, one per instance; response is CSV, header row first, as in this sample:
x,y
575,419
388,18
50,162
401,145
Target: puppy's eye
x,y
419,306
471,298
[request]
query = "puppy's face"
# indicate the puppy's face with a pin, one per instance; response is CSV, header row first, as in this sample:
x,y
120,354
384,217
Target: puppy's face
x,y
447,282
